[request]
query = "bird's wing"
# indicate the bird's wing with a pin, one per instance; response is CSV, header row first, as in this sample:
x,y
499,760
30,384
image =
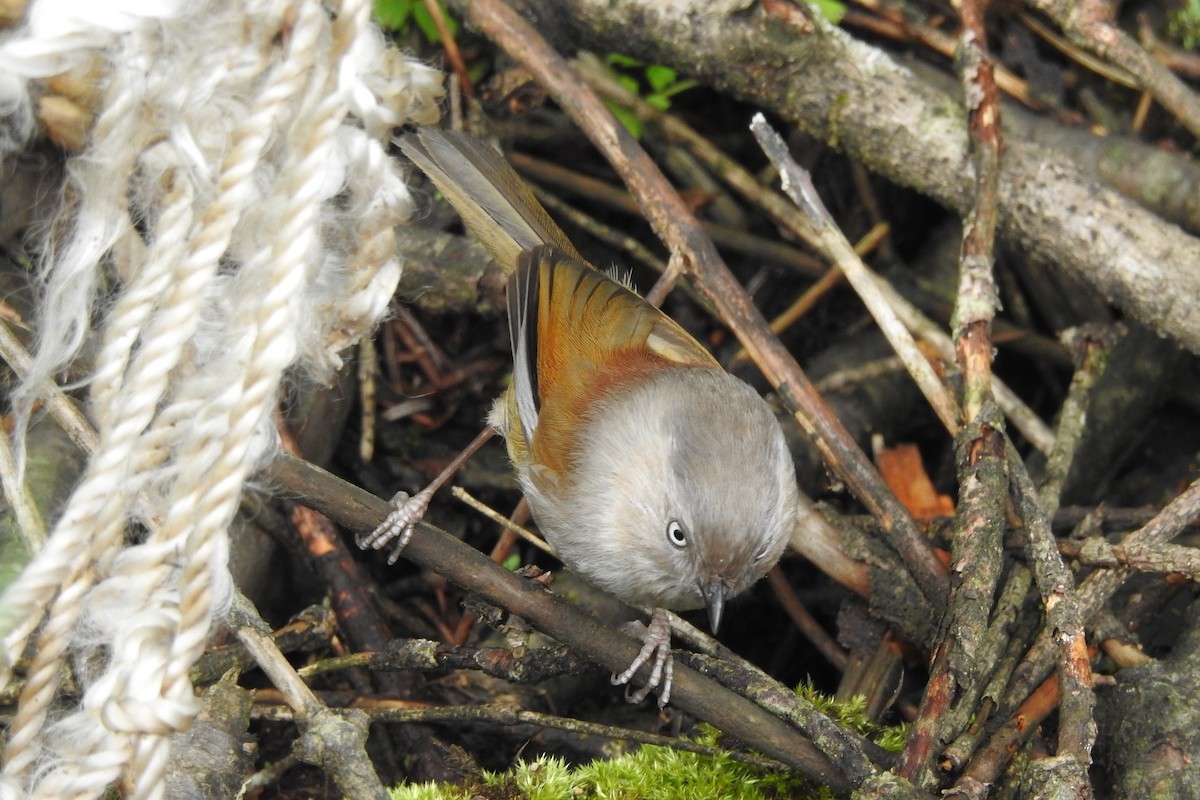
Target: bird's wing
x,y
578,334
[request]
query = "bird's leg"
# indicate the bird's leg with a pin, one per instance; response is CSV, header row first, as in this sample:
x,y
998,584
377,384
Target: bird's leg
x,y
656,643
407,510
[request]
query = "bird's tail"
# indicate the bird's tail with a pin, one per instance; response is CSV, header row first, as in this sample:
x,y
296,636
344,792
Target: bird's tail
x,y
495,204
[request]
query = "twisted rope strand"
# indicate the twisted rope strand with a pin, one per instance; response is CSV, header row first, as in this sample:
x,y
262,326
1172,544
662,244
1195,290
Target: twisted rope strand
x,y
223,138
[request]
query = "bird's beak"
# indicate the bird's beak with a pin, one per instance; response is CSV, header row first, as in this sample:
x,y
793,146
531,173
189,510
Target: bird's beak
x,y
713,592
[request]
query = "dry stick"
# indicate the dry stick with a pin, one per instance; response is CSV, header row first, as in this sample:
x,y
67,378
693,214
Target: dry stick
x,y
506,715
531,665
1113,520
674,222
463,496
450,45
978,298
1001,648
825,236
909,29
1092,348
62,408
1182,62
429,656
1096,552
812,295
826,645
1090,23
605,193
1077,54
959,664
362,624
312,629
856,756
935,704
1099,587
1115,639
1066,611
335,741
986,765
31,528
1065,616
829,240
977,542
439,552
787,215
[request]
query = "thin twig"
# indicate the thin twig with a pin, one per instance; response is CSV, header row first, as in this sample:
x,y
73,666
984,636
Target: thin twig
x,y
854,754
1013,626
1096,590
826,645
332,740
1090,23
1065,617
30,526
987,764
64,410
504,522
977,543
823,233
1096,552
505,715
1092,347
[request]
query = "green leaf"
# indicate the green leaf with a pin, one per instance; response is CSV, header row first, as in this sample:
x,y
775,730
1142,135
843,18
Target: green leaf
x,y
660,101
512,562
392,15
618,60
628,83
1184,24
682,86
425,22
626,118
660,77
832,10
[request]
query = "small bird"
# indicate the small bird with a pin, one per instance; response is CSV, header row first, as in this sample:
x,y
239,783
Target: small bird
x,y
654,474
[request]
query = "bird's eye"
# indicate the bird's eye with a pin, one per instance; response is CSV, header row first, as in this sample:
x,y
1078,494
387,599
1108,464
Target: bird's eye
x,y
675,533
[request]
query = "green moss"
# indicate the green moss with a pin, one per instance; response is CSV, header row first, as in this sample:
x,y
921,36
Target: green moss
x,y
659,773
649,773
853,714
1184,24
428,791
652,773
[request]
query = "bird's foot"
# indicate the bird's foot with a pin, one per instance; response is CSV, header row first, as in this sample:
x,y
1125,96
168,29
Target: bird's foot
x,y
656,645
407,511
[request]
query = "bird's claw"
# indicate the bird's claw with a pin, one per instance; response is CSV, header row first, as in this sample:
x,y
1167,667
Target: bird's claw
x,y
656,644
398,527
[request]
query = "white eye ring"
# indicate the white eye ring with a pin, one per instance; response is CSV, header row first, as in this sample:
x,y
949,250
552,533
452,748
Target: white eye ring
x,y
675,533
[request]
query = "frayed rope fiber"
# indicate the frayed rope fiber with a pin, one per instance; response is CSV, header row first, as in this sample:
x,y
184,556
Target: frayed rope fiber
x,y
229,221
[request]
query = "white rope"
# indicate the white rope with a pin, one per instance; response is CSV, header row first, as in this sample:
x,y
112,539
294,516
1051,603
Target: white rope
x,y
238,195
